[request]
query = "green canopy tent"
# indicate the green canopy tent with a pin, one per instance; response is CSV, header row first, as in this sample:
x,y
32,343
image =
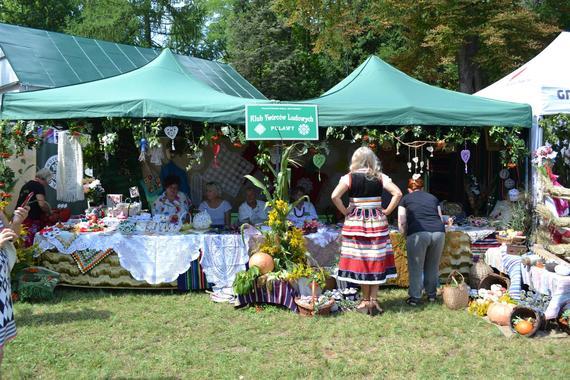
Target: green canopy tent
x,y
161,88
378,94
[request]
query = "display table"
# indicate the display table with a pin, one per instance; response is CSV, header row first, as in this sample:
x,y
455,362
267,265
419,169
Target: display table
x,y
552,284
538,279
157,259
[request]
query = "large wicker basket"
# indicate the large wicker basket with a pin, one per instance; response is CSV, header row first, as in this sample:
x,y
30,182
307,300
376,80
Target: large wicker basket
x,y
478,272
493,278
455,296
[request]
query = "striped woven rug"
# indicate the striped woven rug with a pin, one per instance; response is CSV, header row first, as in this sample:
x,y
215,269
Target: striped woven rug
x,y
281,294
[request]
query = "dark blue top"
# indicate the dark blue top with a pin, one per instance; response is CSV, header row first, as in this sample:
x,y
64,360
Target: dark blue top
x,y
421,213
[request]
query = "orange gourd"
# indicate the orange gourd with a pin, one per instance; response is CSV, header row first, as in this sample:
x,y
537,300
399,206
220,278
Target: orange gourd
x,y
500,313
263,261
524,327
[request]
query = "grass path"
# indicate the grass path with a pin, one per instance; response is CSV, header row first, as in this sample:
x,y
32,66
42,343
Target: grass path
x,y
98,334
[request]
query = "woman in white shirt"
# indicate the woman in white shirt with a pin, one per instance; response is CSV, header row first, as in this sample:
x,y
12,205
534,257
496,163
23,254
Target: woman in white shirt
x,y
218,209
305,211
253,210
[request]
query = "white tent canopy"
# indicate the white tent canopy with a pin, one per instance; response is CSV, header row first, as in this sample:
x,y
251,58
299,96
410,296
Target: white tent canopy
x,y
543,82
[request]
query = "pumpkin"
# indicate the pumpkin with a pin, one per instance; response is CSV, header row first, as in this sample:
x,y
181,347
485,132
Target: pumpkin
x,y
263,261
524,327
500,313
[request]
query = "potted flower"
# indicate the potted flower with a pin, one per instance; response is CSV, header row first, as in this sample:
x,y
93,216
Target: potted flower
x,y
303,277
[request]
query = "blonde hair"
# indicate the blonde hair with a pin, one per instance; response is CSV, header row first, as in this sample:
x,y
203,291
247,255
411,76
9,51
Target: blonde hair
x,y
214,186
364,158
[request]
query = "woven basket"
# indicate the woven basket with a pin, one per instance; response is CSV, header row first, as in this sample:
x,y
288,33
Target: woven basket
x,y
492,279
478,272
455,296
525,312
308,309
519,240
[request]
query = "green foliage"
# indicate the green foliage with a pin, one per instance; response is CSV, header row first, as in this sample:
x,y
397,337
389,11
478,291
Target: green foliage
x,y
515,149
521,219
42,14
557,133
245,281
273,56
453,44
319,275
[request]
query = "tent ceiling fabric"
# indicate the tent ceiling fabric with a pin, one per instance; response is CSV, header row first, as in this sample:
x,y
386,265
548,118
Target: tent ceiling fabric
x,y
47,59
543,82
379,94
162,88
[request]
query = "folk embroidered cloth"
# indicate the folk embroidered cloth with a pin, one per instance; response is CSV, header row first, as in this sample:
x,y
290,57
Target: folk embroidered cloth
x,y
230,173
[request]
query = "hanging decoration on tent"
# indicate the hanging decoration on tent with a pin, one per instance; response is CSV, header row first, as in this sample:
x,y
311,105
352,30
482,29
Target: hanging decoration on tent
x,y
465,156
416,160
156,155
409,163
422,161
430,150
216,150
144,147
319,160
509,183
397,149
171,132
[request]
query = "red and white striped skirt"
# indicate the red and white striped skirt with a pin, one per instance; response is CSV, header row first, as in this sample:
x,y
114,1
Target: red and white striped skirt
x,y
366,252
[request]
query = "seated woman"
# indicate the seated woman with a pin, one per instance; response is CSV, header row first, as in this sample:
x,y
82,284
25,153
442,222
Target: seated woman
x,y
218,209
304,211
172,202
252,211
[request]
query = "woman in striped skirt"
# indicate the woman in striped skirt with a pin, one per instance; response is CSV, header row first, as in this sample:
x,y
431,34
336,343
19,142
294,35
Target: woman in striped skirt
x,y
366,252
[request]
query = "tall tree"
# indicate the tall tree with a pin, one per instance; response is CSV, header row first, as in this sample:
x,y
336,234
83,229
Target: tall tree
x,y
177,24
274,57
109,20
430,39
41,14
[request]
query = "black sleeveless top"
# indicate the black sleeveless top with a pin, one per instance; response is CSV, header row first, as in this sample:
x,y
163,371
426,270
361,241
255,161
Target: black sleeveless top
x,y
362,187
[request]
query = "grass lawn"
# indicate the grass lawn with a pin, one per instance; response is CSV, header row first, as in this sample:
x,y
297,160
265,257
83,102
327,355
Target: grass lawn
x,y
102,334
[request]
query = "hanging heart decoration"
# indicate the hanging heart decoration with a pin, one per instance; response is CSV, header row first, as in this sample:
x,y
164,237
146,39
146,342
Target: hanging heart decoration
x,y
430,150
319,160
465,156
171,132
216,150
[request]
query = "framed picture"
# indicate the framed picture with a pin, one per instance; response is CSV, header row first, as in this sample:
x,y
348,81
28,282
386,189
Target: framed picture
x,y
134,192
114,199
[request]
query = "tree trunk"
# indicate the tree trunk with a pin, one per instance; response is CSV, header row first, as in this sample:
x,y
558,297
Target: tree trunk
x,y
470,80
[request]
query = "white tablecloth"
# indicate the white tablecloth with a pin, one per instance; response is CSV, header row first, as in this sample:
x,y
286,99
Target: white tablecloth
x,y
159,258
475,233
538,279
552,284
